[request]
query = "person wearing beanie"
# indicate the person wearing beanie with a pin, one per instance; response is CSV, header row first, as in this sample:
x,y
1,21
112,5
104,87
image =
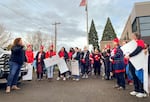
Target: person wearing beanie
x,y
62,54
30,58
50,53
117,59
40,63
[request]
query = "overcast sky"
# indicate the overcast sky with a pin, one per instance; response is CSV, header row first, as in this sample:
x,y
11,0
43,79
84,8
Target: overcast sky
x,y
23,16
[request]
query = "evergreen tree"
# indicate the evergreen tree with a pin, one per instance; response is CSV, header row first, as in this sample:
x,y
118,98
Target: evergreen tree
x,y
109,32
93,37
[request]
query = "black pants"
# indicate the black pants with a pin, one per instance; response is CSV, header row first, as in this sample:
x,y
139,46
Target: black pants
x,y
39,75
138,86
59,74
97,68
84,69
121,79
107,68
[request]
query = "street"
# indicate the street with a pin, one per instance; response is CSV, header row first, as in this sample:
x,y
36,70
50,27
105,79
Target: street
x,y
86,90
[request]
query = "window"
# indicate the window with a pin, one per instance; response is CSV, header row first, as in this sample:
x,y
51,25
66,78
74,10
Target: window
x,y
145,26
134,26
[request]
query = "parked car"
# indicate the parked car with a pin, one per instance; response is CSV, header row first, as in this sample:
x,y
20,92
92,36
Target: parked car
x,y
4,66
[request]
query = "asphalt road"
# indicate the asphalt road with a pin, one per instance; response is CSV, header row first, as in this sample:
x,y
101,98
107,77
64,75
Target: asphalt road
x,y
87,90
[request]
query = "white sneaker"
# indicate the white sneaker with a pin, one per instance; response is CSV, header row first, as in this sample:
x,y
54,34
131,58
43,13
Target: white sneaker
x,y
86,76
83,76
73,79
141,95
58,78
64,79
77,79
133,93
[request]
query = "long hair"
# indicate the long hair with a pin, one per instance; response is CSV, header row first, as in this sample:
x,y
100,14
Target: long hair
x,y
16,42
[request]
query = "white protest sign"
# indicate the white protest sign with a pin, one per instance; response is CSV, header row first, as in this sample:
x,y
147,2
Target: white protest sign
x,y
29,74
51,61
75,67
129,47
62,66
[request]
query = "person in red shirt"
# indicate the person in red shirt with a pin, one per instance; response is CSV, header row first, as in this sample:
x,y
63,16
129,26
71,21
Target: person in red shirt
x,y
29,54
50,53
62,54
30,58
138,84
70,56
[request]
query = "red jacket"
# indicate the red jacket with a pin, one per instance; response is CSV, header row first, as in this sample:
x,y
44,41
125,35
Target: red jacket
x,y
50,54
140,43
29,56
70,55
61,54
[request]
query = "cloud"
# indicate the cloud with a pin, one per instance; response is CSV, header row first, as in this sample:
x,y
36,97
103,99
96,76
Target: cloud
x,y
23,16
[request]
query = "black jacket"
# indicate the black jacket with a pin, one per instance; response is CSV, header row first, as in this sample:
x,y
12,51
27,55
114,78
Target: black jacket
x,y
18,54
77,57
87,60
42,59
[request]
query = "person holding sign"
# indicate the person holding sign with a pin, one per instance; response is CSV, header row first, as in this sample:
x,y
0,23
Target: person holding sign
x,y
50,54
76,57
117,59
64,55
137,78
30,58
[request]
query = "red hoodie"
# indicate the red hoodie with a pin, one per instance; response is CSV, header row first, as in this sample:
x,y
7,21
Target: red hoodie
x,y
30,56
70,55
50,54
61,54
140,43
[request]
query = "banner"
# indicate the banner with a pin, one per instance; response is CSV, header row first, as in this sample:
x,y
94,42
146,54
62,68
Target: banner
x,y
51,61
62,66
129,47
29,75
56,60
75,67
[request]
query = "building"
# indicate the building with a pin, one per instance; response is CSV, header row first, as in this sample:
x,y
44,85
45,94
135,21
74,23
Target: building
x,y
138,21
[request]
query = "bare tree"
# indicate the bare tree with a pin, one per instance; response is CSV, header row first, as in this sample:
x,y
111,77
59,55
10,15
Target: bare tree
x,y
36,39
5,37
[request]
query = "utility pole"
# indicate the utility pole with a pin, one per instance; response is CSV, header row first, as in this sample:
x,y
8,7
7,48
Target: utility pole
x,y
55,24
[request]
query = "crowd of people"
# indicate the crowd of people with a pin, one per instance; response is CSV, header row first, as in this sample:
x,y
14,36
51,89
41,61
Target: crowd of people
x,y
108,63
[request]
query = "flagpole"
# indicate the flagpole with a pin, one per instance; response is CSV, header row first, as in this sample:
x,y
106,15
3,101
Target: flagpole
x,y
87,17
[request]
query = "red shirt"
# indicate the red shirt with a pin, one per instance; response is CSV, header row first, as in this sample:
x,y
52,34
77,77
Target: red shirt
x,y
140,43
70,55
50,54
61,54
30,56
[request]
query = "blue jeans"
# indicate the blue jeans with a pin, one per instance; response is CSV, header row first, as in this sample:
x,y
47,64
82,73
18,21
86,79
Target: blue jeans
x,y
14,73
50,72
